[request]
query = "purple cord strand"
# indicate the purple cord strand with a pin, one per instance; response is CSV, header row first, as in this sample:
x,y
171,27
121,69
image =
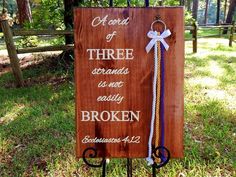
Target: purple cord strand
x,y
162,97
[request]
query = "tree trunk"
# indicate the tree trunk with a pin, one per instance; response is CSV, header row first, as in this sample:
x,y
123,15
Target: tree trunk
x,y
68,21
24,11
218,12
68,17
181,2
159,3
3,4
225,9
195,9
206,12
230,14
189,5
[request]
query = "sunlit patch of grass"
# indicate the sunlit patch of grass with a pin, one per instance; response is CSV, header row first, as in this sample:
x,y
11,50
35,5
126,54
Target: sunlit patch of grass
x,y
222,95
11,115
223,47
216,94
218,46
204,81
215,69
202,32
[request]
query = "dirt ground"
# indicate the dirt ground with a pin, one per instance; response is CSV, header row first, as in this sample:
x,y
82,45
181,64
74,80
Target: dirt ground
x,y
26,60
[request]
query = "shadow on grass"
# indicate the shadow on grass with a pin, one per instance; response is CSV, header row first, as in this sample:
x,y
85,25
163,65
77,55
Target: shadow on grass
x,y
213,131
36,124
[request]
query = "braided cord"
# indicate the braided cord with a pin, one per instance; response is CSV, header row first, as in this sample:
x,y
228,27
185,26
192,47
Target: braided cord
x,y
155,121
157,125
157,128
154,93
162,101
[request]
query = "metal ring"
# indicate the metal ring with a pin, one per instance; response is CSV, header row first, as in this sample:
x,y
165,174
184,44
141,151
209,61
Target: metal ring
x,y
158,21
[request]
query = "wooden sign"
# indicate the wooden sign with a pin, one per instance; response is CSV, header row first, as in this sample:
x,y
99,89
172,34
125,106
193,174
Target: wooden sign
x,y
113,76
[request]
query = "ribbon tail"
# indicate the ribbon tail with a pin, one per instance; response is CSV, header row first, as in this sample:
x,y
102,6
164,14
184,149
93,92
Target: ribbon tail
x,y
166,46
166,33
150,45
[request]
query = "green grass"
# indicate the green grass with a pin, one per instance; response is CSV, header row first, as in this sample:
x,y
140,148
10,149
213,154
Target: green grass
x,y
37,122
202,32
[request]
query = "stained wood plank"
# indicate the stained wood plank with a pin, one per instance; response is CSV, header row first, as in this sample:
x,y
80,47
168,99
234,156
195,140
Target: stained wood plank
x,y
137,89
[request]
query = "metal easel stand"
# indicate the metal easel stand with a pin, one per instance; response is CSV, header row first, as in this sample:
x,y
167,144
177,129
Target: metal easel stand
x,y
159,152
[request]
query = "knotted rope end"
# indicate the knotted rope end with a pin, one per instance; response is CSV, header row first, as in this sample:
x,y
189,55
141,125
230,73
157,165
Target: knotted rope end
x,y
149,161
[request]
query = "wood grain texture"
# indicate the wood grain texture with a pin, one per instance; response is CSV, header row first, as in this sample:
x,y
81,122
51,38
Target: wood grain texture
x,y
137,90
11,49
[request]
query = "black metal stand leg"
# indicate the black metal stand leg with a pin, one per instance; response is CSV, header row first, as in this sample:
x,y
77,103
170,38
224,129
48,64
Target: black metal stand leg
x,y
91,152
104,168
154,173
129,167
163,154
158,152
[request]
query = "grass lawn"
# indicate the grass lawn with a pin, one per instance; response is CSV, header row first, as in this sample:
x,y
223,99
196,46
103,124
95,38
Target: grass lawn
x,y
37,122
202,32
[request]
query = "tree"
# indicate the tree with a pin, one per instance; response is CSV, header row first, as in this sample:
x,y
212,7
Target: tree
x,y
195,9
218,12
188,4
225,9
181,2
68,21
230,14
24,11
3,4
206,12
68,17
231,11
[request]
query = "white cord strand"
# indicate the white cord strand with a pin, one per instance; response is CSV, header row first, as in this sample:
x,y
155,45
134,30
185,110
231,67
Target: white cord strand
x,y
154,90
